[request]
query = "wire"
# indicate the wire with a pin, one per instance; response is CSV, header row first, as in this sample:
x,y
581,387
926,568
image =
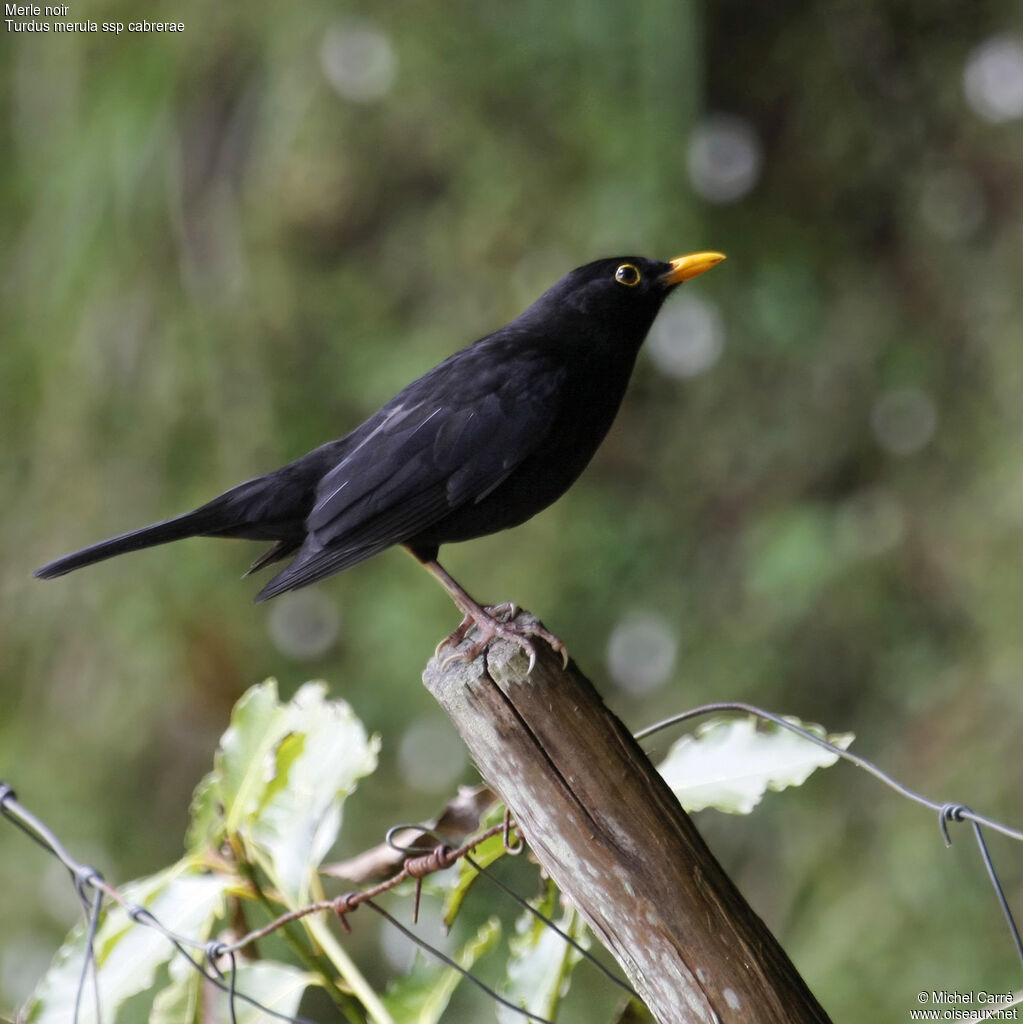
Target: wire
x,y
444,958
946,811
92,889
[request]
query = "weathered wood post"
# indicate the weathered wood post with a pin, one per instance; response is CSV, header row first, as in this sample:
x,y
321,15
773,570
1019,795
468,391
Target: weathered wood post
x,y
612,835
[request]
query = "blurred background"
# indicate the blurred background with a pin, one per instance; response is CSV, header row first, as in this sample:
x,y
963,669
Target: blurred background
x,y
222,248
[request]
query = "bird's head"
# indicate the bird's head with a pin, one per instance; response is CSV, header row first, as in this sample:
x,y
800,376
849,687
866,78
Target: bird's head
x,y
618,294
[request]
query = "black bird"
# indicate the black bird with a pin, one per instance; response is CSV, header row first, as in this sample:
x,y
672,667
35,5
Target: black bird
x,y
482,442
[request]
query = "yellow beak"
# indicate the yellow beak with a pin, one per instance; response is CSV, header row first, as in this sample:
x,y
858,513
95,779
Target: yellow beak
x,y
685,267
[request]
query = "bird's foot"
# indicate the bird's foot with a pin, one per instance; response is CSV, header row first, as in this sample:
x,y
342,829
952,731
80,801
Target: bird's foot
x,y
496,622
506,610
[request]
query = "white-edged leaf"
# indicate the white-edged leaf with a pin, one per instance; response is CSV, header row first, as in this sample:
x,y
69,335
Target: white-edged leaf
x,y
323,753
729,763
539,968
280,775
422,996
183,899
241,768
276,986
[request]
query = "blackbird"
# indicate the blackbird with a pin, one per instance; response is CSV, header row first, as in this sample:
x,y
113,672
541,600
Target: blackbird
x,y
482,442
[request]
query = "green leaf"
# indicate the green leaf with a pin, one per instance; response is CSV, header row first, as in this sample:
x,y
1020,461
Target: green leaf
x,y
634,1012
729,763
205,821
234,789
280,776
422,996
540,966
241,768
487,853
183,899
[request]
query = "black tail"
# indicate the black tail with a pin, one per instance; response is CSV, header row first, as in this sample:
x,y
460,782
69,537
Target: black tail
x,y
271,507
191,524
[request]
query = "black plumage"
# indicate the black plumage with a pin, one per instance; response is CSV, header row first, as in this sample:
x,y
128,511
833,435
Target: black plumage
x,y
482,442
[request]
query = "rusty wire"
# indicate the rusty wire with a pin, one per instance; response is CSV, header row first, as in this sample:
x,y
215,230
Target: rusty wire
x,y
92,889
88,879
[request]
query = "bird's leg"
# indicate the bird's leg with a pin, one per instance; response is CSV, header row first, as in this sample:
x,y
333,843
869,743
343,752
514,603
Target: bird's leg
x,y
490,622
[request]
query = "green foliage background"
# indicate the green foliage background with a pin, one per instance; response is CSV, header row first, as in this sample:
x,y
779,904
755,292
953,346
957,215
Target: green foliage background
x,y
211,262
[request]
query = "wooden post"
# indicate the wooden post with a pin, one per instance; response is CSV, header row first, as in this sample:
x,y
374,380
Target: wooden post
x,y
610,832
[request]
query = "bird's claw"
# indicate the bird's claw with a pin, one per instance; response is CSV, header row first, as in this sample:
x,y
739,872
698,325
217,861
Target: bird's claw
x,y
453,639
495,623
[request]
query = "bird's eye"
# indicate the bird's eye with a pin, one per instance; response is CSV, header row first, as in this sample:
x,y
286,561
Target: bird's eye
x,y
628,275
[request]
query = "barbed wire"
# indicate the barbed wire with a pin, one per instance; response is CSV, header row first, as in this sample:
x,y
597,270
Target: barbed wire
x,y
86,877
947,811
512,894
204,957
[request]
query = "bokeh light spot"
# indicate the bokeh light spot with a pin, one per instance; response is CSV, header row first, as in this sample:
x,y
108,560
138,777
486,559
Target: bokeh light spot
x,y
303,624
358,60
904,420
641,652
724,158
431,757
993,79
687,338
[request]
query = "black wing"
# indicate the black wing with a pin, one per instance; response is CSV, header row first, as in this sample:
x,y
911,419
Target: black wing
x,y
449,438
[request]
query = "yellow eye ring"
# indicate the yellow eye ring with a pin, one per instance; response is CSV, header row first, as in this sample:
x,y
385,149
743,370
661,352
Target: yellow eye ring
x,y
628,275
